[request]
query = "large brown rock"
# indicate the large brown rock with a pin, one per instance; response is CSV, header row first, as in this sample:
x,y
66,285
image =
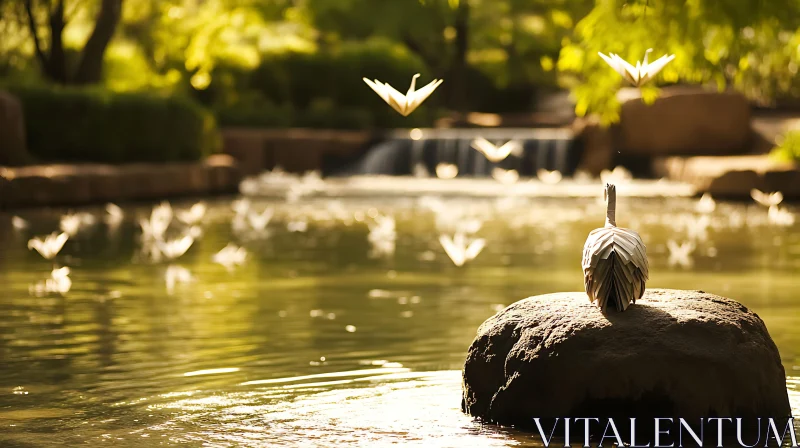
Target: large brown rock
x,y
598,145
685,121
732,176
13,150
674,353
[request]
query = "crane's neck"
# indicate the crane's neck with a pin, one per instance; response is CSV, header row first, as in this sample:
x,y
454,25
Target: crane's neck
x,y
611,205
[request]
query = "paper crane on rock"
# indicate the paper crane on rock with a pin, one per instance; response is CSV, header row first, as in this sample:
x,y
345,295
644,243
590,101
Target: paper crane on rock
x,y
615,265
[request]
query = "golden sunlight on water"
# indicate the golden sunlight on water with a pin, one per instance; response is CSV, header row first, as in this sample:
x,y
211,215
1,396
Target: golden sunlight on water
x,y
319,338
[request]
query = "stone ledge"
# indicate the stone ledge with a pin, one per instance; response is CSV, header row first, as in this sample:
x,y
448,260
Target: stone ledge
x,y
732,176
294,149
45,185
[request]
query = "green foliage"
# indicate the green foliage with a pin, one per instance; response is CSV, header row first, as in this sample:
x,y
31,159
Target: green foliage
x,y
299,63
788,148
188,39
93,125
748,45
320,89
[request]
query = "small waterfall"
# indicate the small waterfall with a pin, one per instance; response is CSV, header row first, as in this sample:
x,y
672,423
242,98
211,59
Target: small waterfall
x,y
399,154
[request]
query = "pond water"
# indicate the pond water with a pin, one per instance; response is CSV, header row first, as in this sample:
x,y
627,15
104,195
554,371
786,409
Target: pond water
x,y
318,338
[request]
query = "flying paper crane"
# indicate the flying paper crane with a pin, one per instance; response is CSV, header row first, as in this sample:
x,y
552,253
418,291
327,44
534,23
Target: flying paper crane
x,y
496,153
642,73
404,104
615,265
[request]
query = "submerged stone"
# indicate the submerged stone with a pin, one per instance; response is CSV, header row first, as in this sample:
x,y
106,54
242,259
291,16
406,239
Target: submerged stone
x,y
680,354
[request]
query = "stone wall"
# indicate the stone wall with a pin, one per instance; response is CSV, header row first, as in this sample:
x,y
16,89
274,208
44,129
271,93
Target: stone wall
x,y
46,185
732,176
294,150
682,121
13,150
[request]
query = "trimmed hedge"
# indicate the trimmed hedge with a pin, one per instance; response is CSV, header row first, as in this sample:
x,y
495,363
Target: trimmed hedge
x,y
73,124
322,90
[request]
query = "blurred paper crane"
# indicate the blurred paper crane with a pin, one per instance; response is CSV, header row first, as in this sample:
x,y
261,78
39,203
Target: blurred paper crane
x,y
767,200
404,104
176,274
382,236
697,227
58,283
681,255
642,73
705,204
70,224
619,175
780,217
241,206
259,221
230,256
615,266
382,229
156,226
494,153
49,246
175,248
506,177
194,215
459,250
421,171
162,212
446,171
549,177
300,225
18,223
114,215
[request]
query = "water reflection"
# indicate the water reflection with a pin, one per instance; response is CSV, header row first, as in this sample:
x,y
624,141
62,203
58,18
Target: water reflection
x,y
311,338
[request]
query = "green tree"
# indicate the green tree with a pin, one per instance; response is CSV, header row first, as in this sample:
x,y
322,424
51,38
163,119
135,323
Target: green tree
x,y
190,38
512,42
751,46
46,22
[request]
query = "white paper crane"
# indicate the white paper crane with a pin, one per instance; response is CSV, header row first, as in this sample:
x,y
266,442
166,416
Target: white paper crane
x,y
506,177
18,223
681,254
194,215
459,249
549,177
767,200
49,246
706,204
495,153
780,216
230,256
615,266
114,215
404,104
642,73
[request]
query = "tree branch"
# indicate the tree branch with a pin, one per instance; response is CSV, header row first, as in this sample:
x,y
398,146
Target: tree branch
x,y
91,64
58,59
35,33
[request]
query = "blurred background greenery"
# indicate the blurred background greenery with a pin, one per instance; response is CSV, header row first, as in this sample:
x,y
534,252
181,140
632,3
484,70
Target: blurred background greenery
x,y
299,63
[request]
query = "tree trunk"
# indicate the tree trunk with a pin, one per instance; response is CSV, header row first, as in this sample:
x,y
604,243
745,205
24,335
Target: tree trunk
x,y
57,63
458,66
53,64
90,67
432,59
